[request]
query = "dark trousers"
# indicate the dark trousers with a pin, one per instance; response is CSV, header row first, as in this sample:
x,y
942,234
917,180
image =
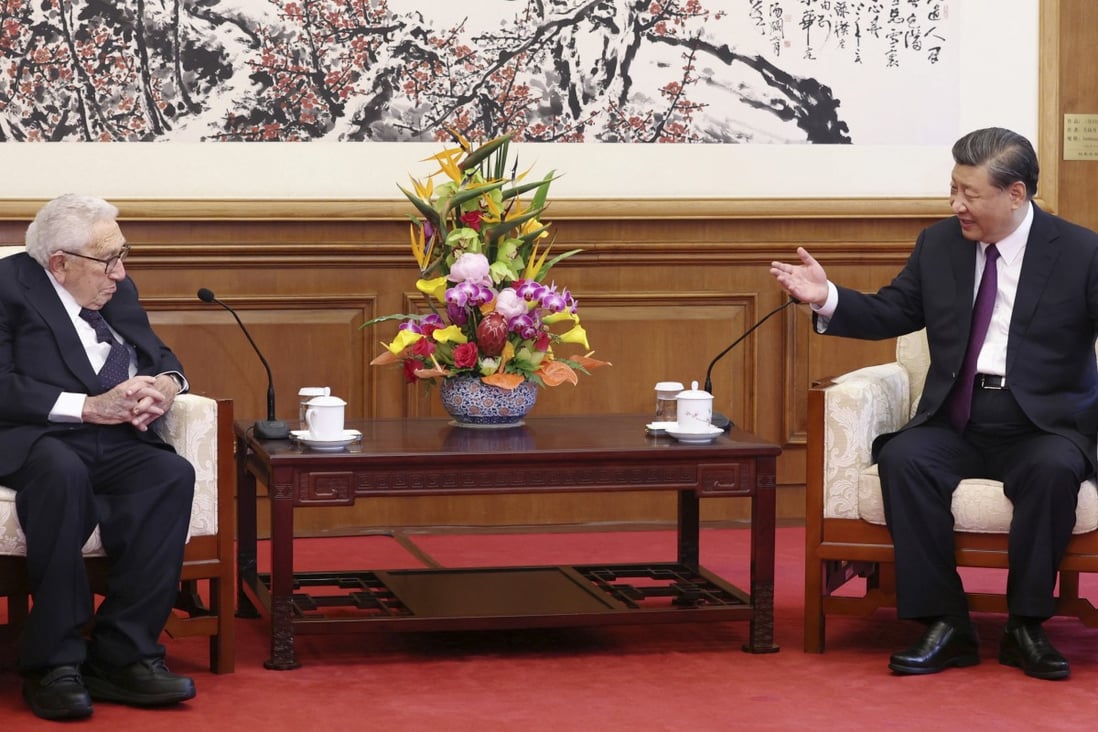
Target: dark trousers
x,y
919,470
140,496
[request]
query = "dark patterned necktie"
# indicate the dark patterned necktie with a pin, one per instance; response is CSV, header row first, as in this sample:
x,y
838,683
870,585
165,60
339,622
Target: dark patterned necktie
x,y
960,400
116,369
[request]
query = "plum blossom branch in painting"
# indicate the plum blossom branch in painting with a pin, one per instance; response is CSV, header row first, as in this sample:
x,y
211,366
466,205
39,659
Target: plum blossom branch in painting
x,y
676,71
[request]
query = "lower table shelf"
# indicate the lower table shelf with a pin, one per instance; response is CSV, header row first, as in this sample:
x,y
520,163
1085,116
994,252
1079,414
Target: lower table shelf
x,y
509,597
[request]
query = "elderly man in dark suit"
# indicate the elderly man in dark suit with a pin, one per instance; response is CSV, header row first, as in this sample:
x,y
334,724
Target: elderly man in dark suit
x,y
82,377
1011,394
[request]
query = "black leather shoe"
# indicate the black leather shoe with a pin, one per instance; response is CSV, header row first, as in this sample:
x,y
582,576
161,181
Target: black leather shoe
x,y
147,683
57,693
1028,648
942,646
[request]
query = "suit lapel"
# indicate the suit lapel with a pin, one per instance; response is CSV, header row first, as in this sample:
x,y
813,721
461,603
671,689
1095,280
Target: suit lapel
x,y
1037,267
962,262
42,298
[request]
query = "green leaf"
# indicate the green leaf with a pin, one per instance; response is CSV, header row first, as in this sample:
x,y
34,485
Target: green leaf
x,y
422,206
552,263
476,157
524,187
494,232
533,235
500,170
543,191
468,194
394,316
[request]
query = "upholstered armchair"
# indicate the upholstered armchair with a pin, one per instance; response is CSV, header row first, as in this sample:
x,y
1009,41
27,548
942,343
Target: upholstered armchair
x,y
848,559
200,429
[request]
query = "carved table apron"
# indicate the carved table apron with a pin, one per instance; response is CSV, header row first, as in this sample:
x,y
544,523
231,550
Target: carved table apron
x,y
430,457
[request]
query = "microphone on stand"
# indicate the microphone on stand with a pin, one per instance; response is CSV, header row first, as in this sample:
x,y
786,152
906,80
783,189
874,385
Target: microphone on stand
x,y
720,420
270,428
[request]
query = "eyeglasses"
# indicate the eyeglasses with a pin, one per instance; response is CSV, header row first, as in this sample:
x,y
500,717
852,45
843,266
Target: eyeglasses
x,y
108,264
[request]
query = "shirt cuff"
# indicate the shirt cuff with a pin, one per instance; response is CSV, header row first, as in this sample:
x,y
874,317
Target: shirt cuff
x,y
179,379
68,408
825,311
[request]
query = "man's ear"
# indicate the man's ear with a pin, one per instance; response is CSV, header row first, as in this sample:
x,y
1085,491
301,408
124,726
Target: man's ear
x,y
1018,193
58,265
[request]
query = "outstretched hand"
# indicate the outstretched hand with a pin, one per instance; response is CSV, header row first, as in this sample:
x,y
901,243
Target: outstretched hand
x,y
806,281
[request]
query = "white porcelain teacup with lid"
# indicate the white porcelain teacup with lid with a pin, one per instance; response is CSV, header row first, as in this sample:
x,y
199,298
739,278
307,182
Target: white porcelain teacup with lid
x,y
695,410
324,415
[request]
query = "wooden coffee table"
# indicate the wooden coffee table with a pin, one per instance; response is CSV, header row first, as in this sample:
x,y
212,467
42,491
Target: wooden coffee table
x,y
430,457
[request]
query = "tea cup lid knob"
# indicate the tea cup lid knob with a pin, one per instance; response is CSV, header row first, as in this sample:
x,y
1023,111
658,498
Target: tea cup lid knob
x,y
694,393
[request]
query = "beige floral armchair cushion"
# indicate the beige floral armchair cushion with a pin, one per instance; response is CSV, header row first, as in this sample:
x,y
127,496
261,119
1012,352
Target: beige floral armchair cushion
x,y
191,428
864,403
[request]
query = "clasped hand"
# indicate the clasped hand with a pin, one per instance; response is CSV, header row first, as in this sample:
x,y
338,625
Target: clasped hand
x,y
139,400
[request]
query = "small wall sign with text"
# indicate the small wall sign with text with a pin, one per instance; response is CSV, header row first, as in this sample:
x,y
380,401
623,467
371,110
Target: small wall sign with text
x,y
1081,137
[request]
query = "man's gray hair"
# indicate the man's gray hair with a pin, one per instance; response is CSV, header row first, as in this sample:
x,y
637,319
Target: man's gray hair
x,y
66,223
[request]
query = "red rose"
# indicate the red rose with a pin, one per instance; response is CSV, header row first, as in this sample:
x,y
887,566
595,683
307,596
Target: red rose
x,y
471,219
424,347
410,365
465,356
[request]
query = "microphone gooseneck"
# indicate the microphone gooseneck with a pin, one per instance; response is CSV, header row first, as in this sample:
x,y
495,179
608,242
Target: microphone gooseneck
x,y
270,428
720,420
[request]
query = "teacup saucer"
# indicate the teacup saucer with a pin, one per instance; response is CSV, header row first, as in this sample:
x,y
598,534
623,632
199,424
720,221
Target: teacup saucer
x,y
338,443
700,437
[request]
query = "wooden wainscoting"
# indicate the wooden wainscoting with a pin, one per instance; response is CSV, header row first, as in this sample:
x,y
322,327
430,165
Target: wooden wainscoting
x,y
659,298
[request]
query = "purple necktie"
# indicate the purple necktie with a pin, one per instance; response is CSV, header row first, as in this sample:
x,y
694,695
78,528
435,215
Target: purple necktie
x,y
116,369
960,399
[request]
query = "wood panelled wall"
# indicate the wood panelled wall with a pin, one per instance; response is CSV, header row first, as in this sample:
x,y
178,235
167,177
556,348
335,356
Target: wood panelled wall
x,y
658,296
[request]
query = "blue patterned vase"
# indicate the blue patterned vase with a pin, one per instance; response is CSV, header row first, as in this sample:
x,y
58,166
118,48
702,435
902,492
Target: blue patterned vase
x,y
472,403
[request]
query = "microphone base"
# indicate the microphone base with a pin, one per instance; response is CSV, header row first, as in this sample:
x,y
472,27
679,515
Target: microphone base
x,y
721,421
272,429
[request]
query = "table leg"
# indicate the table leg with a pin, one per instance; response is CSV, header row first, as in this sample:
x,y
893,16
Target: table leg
x,y
245,531
763,526
689,540
283,656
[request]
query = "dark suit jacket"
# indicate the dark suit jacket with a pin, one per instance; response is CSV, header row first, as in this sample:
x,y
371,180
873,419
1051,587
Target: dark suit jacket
x,y
41,355
1050,364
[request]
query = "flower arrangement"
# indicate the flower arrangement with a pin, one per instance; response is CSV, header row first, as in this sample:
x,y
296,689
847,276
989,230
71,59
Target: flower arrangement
x,y
484,259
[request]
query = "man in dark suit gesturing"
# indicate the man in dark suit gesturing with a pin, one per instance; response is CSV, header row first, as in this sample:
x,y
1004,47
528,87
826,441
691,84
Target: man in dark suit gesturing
x,y
1011,394
82,377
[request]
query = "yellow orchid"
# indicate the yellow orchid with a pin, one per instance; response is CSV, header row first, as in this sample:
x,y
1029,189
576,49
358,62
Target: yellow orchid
x,y
434,288
404,338
450,334
576,335
563,315
535,228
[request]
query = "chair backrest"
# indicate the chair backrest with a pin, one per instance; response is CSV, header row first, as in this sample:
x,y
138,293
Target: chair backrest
x,y
913,353
9,249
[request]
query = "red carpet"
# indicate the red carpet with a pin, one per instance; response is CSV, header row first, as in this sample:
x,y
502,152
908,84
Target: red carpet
x,y
669,677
